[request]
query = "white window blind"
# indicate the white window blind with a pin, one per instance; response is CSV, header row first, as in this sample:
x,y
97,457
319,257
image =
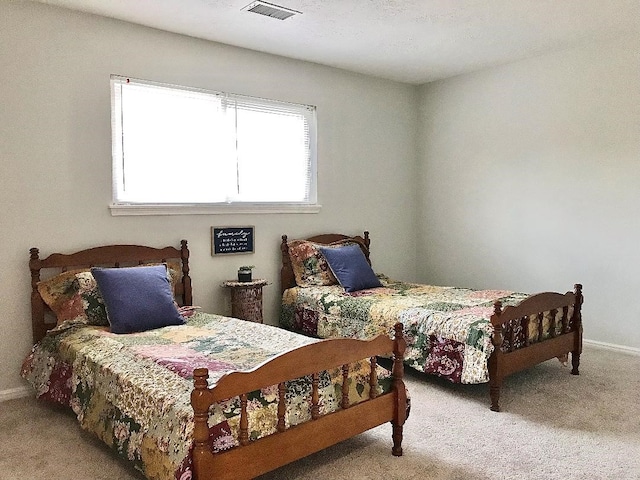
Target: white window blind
x,y
177,145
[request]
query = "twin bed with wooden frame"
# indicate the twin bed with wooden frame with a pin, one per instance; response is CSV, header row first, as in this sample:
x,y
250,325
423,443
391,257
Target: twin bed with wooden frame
x,y
519,331
321,427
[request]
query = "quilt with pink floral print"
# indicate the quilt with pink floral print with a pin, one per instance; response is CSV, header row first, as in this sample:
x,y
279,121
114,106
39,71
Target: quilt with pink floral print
x,y
133,390
448,329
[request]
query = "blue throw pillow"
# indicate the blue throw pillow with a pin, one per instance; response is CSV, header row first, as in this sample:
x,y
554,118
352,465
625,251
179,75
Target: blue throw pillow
x,y
350,267
137,298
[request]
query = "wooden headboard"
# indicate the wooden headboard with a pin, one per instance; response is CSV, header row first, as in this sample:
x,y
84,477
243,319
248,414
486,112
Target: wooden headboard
x,y
42,317
288,279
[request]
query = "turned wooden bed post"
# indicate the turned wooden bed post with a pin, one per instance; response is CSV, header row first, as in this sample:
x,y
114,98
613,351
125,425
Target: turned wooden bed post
x,y
577,326
186,279
287,278
400,413
39,329
200,403
495,373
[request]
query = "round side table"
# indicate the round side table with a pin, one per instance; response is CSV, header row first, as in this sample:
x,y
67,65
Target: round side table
x,y
246,299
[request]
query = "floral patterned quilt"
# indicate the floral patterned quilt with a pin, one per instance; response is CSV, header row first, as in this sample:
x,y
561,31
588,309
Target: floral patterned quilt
x,y
133,390
447,329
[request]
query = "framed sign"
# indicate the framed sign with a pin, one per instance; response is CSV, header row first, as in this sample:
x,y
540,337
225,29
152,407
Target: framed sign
x,y
231,240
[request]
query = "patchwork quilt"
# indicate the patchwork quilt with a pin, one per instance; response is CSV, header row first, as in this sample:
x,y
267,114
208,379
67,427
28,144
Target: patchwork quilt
x,y
448,329
133,390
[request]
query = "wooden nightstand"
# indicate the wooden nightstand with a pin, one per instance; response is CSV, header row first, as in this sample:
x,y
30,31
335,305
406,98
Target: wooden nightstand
x,y
246,299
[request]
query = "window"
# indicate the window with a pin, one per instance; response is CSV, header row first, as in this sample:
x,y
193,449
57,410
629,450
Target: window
x,y
177,146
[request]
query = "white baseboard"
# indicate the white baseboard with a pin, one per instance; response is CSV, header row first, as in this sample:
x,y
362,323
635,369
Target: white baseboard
x,y
14,393
612,346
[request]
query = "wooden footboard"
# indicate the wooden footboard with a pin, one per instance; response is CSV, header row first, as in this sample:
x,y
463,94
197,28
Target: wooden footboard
x,y
252,458
563,336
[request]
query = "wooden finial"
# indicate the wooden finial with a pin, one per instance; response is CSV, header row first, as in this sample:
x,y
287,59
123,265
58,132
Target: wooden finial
x,y
578,291
200,377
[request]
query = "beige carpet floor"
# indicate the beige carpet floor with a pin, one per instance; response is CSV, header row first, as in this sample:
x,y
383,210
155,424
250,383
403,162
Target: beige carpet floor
x,y
553,426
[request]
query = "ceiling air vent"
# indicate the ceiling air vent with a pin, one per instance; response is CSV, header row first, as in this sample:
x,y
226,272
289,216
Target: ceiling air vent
x,y
270,10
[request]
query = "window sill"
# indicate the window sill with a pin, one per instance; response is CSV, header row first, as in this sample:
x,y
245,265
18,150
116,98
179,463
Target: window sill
x,y
233,209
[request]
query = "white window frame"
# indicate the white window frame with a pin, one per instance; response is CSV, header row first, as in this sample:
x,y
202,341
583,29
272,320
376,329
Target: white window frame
x,y
230,207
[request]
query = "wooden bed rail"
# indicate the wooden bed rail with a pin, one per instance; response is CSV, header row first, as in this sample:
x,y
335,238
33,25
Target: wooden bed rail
x,y
321,431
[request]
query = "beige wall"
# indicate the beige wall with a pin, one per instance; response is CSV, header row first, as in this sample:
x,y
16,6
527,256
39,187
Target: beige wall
x,y
527,176
55,147
530,180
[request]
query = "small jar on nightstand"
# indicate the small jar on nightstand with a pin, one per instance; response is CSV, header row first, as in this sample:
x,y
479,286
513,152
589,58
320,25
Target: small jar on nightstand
x,y
246,299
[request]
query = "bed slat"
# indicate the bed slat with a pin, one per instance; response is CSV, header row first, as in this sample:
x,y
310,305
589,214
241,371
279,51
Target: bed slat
x,y
540,326
526,324
315,397
345,387
244,421
282,407
373,378
512,334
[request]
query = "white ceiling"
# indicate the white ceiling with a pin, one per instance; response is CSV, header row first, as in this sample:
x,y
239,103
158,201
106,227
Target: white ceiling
x,y
412,41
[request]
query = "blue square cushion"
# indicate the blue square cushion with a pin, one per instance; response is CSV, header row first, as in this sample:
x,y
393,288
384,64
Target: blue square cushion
x,y
137,298
350,267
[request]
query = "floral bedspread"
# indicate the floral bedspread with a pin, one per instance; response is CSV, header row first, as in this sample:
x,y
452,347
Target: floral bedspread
x,y
447,329
133,390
